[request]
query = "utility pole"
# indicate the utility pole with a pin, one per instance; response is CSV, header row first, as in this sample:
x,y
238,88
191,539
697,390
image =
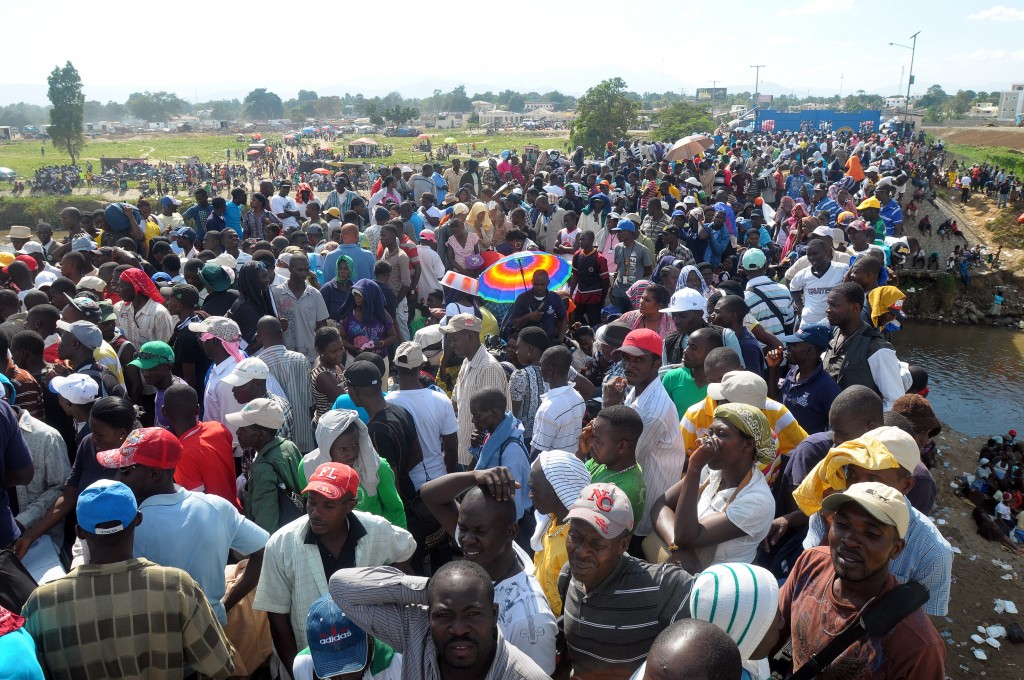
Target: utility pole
x,y
757,80
910,79
841,76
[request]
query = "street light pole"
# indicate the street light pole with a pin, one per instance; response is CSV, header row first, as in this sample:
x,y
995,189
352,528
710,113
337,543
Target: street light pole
x,y
757,80
910,78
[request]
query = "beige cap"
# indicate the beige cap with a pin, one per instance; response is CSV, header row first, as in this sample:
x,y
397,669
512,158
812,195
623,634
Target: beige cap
x,y
265,412
742,387
409,355
463,322
882,502
18,231
898,443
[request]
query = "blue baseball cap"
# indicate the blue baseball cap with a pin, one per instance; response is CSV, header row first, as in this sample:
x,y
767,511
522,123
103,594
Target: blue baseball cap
x,y
818,334
187,232
336,644
106,501
625,225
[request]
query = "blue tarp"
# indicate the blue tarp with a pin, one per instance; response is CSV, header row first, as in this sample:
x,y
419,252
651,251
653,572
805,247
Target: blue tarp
x,y
770,120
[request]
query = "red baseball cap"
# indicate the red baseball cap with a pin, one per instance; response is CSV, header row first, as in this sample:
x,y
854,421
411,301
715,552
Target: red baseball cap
x,y
641,340
334,480
152,447
28,261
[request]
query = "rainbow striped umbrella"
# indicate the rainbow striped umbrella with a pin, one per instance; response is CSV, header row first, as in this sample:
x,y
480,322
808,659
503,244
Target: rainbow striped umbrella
x,y
504,280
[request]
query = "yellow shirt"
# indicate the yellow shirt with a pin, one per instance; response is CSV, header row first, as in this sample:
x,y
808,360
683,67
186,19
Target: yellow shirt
x,y
698,418
151,229
548,563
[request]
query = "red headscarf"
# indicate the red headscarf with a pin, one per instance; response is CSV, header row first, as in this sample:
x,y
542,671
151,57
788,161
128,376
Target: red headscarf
x,y
142,284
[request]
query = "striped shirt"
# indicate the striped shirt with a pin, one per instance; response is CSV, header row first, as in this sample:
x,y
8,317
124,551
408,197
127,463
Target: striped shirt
x,y
559,420
659,451
759,309
130,619
292,370
614,625
392,607
478,374
927,558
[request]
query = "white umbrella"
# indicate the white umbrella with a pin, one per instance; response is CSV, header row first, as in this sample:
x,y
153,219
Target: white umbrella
x,y
7,171
688,147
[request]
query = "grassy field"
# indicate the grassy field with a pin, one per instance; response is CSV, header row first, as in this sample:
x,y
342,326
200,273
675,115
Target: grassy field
x,y
1004,157
24,156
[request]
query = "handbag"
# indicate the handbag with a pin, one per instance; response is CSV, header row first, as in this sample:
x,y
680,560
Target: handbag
x,y
16,583
290,505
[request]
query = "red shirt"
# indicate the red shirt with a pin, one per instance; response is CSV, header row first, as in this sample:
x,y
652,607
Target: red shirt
x,y
207,461
913,649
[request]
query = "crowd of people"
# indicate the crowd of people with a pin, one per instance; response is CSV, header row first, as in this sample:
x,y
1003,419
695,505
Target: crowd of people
x,y
287,435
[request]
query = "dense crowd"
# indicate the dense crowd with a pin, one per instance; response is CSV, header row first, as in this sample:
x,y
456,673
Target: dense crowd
x,y
302,436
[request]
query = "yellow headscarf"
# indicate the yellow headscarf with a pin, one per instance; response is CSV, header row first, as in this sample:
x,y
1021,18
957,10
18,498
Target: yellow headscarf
x,y
882,299
474,213
865,452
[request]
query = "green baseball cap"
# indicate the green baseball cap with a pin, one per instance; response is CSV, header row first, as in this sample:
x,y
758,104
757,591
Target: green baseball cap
x,y
153,354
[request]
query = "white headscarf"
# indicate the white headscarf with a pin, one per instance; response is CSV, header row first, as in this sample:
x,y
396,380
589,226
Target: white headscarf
x,y
567,475
330,426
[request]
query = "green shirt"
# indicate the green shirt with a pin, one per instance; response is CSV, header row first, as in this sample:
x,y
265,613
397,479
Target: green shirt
x,y
275,464
630,480
682,389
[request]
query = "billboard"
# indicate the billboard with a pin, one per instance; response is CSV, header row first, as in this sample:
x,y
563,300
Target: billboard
x,y
711,93
765,98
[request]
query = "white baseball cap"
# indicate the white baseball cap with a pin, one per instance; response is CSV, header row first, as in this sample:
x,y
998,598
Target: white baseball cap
x,y
265,412
77,388
245,371
686,300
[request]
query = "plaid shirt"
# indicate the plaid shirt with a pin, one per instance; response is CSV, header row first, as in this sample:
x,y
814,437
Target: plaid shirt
x,y
256,227
152,322
293,573
130,619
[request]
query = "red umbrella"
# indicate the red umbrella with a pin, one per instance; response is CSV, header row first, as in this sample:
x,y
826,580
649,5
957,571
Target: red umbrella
x,y
254,152
321,171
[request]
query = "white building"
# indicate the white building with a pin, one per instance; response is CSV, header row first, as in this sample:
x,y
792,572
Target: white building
x,y
500,117
1011,103
533,106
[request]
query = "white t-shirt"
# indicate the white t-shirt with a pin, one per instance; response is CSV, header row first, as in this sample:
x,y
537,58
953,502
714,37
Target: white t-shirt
x,y
278,204
816,291
434,416
525,617
431,271
752,511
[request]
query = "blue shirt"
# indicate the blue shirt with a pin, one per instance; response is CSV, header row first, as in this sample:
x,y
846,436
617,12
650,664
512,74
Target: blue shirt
x,y
926,558
810,399
194,532
718,242
891,214
361,258
345,403
831,206
14,455
233,217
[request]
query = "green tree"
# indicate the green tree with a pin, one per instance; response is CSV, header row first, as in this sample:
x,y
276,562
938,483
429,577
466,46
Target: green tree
x,y
68,102
401,114
307,96
457,101
156,106
604,113
681,119
935,96
374,112
263,105
517,103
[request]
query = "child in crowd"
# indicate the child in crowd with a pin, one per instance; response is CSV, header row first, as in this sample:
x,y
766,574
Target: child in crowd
x,y
583,356
526,384
559,420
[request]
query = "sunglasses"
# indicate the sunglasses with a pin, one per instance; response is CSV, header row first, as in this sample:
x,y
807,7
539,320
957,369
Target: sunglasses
x,y
125,470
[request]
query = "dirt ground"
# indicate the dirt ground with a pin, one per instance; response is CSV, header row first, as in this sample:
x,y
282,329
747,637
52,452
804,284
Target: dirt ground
x,y
977,578
1010,137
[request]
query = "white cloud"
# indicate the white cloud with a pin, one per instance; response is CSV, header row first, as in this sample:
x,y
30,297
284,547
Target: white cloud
x,y
982,54
998,13
814,8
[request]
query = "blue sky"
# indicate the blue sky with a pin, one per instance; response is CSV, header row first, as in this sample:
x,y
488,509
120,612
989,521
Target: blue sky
x,y
806,45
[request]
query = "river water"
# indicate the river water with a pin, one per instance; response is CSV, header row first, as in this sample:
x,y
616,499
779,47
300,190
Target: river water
x,y
975,373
